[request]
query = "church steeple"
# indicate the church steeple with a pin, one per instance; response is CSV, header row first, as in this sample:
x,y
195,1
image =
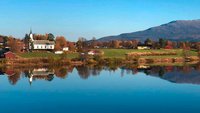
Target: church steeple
x,y
31,35
30,31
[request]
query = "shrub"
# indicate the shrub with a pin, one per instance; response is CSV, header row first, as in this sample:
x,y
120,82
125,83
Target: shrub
x,y
132,57
149,60
98,57
91,61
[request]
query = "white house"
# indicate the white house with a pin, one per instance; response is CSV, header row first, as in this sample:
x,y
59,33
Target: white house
x,y
91,52
65,48
95,52
59,52
143,46
43,45
40,44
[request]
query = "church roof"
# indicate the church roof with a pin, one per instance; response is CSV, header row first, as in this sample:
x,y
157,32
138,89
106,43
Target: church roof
x,y
43,42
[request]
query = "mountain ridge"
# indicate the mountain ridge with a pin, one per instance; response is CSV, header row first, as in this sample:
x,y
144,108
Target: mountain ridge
x,y
188,30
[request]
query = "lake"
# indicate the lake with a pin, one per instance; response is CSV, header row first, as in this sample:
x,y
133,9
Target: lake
x,y
101,89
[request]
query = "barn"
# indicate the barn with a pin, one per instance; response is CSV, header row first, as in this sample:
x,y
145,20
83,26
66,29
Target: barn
x,y
9,55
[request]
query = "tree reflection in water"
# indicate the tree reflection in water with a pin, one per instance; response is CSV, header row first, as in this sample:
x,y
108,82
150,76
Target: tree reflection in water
x,y
177,74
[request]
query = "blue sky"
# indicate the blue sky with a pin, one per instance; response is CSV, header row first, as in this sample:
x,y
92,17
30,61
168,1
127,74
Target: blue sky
x,y
91,18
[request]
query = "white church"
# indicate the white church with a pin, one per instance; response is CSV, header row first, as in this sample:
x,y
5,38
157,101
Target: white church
x,y
40,44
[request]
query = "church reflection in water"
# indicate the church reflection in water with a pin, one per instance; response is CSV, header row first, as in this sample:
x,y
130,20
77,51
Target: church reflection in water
x,y
177,74
41,73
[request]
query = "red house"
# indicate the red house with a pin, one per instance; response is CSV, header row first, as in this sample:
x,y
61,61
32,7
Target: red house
x,y
9,55
168,47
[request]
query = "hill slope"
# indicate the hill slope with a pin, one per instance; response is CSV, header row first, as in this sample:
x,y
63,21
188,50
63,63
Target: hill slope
x,y
176,30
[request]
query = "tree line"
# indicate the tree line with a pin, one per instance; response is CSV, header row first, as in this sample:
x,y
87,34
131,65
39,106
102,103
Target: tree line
x,y
83,44
19,45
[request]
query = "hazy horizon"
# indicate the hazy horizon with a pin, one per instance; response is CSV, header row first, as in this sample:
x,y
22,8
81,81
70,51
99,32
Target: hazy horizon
x,y
90,18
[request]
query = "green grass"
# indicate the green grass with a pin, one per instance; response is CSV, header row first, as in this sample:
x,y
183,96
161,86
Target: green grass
x,y
120,53
112,53
46,54
72,55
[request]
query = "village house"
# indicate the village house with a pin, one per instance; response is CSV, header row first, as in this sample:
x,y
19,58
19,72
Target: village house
x,y
6,53
59,52
40,44
95,52
143,46
9,55
65,49
92,52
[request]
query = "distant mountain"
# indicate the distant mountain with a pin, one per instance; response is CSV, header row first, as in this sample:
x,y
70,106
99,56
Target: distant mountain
x,y
193,77
188,30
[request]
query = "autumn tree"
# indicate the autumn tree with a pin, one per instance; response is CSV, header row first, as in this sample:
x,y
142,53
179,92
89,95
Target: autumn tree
x,y
60,43
49,37
16,45
40,37
128,44
81,44
188,44
183,45
115,44
93,43
134,43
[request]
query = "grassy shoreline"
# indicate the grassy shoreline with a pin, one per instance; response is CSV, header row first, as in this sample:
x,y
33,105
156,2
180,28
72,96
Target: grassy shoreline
x,y
110,56
111,53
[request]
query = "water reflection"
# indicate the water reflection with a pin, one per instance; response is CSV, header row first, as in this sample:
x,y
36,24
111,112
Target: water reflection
x,y
177,74
41,73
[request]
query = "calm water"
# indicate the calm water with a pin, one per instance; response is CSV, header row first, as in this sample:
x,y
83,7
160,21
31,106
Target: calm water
x,y
101,90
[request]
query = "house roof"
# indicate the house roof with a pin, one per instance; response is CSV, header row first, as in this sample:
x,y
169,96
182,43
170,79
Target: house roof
x,y
9,52
43,42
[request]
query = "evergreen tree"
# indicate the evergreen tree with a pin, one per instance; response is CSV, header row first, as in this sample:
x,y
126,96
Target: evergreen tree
x,y
51,37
